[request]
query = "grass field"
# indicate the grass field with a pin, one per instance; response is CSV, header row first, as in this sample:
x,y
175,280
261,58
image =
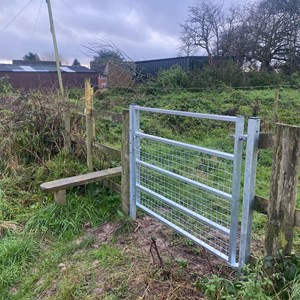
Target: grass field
x,y
52,252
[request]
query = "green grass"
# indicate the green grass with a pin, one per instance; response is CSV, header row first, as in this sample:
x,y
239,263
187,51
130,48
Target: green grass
x,y
95,207
108,256
17,254
49,229
210,134
55,228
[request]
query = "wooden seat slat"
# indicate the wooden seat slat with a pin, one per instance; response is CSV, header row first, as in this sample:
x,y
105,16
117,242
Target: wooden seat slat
x,y
61,184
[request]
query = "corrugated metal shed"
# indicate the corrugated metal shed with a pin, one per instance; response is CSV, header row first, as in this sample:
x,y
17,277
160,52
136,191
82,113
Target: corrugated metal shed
x,y
187,63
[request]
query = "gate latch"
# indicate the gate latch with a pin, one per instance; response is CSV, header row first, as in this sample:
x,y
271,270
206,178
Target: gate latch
x,y
241,138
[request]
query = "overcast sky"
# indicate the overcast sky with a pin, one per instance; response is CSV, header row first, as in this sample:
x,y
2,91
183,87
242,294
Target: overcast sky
x,y
143,29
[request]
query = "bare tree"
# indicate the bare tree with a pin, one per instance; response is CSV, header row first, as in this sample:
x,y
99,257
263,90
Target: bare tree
x,y
203,27
51,57
291,55
264,33
269,33
106,49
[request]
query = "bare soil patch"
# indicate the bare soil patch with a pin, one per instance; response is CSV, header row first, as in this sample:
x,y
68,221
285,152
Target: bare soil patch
x,y
163,264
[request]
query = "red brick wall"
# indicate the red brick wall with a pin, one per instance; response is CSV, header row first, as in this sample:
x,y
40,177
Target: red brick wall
x,y
46,81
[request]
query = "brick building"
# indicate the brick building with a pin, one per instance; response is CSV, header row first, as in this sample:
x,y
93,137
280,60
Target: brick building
x,y
42,75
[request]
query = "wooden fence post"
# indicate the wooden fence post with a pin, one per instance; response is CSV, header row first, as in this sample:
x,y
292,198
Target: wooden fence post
x,y
67,124
276,99
283,190
89,123
93,117
125,162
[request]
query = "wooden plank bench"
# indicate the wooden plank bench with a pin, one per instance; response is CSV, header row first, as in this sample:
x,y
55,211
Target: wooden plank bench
x,y
58,187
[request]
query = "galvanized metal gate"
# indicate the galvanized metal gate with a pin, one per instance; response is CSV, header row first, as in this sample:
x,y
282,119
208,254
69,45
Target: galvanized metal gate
x,y
195,190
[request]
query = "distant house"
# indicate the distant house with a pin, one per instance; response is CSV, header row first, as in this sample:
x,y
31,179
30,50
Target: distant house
x,y
114,74
147,68
42,75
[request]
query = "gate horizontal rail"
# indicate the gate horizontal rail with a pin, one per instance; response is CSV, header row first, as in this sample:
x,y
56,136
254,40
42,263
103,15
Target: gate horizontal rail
x,y
187,146
187,114
187,180
186,210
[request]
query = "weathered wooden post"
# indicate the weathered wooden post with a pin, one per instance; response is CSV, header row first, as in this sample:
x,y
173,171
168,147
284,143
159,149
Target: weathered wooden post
x,y
276,99
283,190
67,138
93,117
125,162
89,124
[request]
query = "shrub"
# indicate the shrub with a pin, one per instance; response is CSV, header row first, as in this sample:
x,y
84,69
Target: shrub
x,y
5,86
263,78
175,77
31,129
257,282
225,73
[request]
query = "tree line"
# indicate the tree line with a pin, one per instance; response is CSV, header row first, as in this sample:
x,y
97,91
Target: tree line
x,y
264,35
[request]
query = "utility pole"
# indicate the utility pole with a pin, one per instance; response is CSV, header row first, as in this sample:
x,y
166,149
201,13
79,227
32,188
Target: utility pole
x,y
55,48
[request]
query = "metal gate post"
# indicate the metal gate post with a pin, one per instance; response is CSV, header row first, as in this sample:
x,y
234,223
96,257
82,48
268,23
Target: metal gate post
x,y
249,189
236,183
132,155
137,149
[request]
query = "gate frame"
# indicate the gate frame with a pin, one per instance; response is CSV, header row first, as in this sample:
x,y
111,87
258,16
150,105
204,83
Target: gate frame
x,y
249,183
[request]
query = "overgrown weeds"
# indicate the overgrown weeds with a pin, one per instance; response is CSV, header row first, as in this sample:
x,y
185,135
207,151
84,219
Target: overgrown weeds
x,y
31,129
257,282
5,86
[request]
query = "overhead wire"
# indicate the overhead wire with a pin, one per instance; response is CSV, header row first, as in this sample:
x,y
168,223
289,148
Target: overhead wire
x,y
84,25
72,10
14,18
37,17
204,89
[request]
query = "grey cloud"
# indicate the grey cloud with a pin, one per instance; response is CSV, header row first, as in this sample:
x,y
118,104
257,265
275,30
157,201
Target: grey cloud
x,y
141,28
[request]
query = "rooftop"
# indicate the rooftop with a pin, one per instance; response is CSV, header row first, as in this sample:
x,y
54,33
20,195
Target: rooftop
x,y
41,66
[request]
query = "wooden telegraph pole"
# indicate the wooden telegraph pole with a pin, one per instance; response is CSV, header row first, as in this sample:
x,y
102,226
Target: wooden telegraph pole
x,y
66,115
55,47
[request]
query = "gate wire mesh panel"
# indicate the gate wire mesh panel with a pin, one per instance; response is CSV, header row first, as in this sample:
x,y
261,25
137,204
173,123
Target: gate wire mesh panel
x,y
189,188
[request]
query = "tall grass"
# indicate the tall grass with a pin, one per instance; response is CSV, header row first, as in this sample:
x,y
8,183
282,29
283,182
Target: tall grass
x,y
94,207
17,252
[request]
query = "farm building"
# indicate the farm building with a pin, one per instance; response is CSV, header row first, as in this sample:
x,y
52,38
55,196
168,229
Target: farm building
x,y
114,74
124,73
152,67
42,75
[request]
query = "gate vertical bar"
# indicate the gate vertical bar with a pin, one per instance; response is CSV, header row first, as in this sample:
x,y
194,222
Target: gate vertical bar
x,y
249,189
236,183
137,156
132,154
